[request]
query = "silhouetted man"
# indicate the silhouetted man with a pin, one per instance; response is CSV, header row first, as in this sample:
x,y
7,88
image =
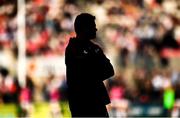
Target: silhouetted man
x,y
86,68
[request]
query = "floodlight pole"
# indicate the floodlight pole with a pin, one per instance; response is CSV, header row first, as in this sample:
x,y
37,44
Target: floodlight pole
x,y
21,43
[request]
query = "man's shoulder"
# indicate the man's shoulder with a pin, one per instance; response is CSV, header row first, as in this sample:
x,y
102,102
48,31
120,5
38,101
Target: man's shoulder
x,y
74,48
97,47
72,44
72,41
95,44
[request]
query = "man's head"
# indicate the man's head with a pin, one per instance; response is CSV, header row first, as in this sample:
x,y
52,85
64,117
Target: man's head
x,y
85,26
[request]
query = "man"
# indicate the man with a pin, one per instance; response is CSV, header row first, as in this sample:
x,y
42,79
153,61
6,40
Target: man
x,y
86,68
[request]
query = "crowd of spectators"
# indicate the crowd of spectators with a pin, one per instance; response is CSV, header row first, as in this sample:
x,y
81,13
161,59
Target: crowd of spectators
x,y
141,38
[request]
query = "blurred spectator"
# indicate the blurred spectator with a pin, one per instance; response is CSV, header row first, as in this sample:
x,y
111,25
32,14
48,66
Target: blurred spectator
x,y
9,87
26,98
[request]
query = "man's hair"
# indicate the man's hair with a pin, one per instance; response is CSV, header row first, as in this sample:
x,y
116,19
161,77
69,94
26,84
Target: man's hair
x,y
83,21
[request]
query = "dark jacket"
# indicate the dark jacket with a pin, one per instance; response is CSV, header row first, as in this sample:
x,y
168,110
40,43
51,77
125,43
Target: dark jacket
x,y
86,68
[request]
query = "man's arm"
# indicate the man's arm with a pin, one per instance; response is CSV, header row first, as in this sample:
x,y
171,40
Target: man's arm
x,y
104,67
91,63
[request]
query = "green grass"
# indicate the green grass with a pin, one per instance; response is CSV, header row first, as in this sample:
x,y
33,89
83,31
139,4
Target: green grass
x,y
38,110
8,111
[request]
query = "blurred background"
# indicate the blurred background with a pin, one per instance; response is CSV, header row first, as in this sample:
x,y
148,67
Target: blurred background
x,y
140,37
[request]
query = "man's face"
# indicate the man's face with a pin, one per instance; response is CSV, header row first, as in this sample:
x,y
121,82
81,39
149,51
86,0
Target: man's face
x,y
90,30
